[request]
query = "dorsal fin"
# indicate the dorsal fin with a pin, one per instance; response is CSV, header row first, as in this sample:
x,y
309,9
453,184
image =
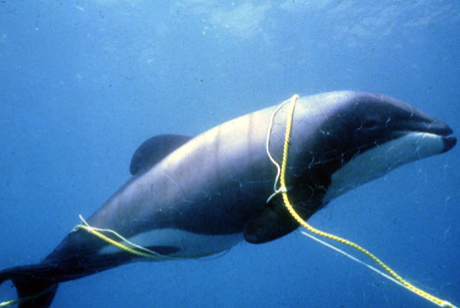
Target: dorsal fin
x,y
154,150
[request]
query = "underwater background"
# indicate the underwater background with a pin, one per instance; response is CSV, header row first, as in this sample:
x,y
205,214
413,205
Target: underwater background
x,y
83,83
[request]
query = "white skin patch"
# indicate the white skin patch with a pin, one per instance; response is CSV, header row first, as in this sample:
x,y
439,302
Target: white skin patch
x,y
382,159
190,245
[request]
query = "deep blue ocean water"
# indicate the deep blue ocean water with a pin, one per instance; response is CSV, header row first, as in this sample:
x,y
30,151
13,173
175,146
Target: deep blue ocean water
x,y
83,83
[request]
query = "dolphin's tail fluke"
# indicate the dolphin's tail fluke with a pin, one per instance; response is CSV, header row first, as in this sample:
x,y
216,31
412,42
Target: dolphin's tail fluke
x,y
33,290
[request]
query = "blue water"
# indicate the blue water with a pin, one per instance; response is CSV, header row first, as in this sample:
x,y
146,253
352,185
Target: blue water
x,y
83,83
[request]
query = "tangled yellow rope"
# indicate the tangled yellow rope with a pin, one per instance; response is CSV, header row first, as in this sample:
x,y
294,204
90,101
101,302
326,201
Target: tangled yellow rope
x,y
283,190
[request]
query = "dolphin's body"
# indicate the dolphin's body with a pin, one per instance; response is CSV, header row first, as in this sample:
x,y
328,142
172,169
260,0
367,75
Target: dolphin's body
x,y
191,197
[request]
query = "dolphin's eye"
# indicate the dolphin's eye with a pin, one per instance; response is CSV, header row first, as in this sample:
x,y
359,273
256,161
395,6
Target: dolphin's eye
x,y
370,123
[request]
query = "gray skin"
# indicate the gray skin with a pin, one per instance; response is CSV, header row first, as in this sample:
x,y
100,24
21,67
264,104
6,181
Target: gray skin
x,y
190,197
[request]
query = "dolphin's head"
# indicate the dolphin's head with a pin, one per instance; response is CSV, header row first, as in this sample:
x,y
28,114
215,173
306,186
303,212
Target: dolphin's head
x,y
364,136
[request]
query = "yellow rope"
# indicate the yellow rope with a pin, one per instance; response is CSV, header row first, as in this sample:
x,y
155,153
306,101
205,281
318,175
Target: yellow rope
x,y
96,232
283,190
137,250
121,246
141,251
26,298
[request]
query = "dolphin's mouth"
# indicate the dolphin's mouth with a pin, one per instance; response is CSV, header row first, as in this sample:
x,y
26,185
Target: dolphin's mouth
x,y
445,132
449,143
442,130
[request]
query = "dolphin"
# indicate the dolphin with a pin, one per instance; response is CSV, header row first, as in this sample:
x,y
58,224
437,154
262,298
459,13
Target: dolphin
x,y
192,197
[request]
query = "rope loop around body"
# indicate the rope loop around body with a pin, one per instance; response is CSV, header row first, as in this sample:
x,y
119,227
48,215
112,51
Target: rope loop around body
x,y
284,191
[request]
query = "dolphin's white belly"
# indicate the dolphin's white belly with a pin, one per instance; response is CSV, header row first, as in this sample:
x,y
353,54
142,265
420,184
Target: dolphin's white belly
x,y
191,245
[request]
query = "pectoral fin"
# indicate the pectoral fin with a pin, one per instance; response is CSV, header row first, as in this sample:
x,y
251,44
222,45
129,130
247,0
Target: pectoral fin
x,y
273,222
